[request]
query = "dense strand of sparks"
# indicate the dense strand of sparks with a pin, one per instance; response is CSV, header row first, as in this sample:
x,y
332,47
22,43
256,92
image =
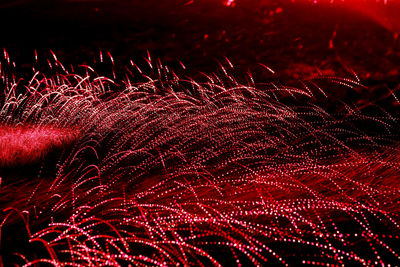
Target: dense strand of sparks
x,y
170,171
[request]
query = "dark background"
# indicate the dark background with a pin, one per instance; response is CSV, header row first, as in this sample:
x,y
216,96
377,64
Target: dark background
x,y
297,40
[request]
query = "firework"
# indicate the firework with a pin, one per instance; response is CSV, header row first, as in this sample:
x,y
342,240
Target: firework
x,y
161,170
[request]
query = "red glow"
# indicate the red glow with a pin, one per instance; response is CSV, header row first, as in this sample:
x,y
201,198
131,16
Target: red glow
x,y
384,12
21,145
230,3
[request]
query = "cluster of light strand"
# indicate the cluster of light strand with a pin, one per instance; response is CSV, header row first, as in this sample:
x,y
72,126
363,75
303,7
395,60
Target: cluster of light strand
x,y
171,171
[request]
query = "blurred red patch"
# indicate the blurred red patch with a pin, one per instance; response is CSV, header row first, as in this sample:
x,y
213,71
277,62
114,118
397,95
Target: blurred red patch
x,y
21,145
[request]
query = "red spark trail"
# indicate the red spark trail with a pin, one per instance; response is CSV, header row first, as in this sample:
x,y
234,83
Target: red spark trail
x,y
171,171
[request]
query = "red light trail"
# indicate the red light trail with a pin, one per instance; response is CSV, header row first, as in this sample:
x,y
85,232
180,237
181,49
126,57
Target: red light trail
x,y
172,171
